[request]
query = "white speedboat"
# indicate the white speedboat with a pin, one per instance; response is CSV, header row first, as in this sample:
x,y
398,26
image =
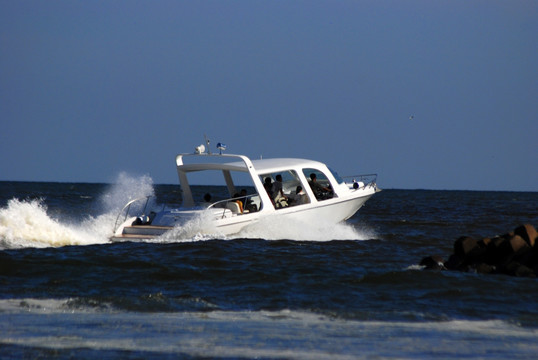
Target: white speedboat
x,y
300,189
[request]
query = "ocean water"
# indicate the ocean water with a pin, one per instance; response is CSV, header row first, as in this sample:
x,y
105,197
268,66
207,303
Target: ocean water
x,y
277,290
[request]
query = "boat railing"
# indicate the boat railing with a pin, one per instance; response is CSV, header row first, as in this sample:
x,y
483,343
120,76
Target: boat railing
x,y
362,181
127,209
241,209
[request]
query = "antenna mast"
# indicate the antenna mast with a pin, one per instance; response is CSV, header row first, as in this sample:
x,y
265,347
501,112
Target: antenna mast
x,y
207,142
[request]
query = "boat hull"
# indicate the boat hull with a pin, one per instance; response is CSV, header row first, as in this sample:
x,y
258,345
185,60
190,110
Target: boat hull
x,y
329,211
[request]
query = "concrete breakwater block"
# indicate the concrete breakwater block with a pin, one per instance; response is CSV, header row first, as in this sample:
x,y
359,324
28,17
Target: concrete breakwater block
x,y
514,253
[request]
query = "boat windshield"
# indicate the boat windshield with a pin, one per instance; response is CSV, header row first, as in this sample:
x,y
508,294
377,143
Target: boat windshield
x,y
336,176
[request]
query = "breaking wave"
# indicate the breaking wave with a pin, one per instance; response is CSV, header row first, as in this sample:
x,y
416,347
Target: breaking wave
x,y
257,334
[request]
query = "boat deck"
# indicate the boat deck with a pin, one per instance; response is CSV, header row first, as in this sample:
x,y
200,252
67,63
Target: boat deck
x,y
141,232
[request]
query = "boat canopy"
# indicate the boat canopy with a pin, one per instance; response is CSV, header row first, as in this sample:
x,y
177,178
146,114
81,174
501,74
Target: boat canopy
x,y
228,163
274,165
218,162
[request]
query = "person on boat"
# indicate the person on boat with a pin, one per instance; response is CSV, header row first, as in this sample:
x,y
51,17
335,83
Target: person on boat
x,y
298,198
268,185
278,194
247,201
207,200
321,192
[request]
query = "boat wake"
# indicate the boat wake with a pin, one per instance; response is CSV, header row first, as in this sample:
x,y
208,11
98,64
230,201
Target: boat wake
x,y
28,223
279,228
269,228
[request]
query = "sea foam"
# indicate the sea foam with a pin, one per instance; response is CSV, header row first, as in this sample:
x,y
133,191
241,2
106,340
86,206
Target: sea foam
x,y
256,334
269,228
280,227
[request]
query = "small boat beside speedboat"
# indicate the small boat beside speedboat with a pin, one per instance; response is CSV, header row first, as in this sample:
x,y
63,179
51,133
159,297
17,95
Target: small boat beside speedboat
x,y
304,190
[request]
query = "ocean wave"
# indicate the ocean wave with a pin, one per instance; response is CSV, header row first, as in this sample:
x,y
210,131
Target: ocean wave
x,y
284,333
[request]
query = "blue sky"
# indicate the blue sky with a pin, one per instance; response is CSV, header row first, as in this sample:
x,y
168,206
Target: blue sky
x,y
428,94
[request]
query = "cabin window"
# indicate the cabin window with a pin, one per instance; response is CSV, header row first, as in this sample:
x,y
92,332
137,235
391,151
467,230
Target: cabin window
x,y
319,183
284,189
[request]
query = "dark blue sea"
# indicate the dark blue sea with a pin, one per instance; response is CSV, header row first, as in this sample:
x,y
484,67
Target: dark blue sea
x,y
277,290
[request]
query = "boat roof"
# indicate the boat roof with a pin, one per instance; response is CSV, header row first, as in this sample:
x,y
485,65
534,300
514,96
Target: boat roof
x,y
261,166
279,164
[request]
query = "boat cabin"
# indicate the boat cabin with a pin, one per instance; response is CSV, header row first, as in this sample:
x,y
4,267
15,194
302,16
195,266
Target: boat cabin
x,y
276,183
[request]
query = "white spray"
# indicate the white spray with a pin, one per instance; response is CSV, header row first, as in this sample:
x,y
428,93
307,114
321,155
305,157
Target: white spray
x,y
26,223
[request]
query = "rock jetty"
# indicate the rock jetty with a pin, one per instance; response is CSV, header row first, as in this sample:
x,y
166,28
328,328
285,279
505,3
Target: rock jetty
x,y
514,253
